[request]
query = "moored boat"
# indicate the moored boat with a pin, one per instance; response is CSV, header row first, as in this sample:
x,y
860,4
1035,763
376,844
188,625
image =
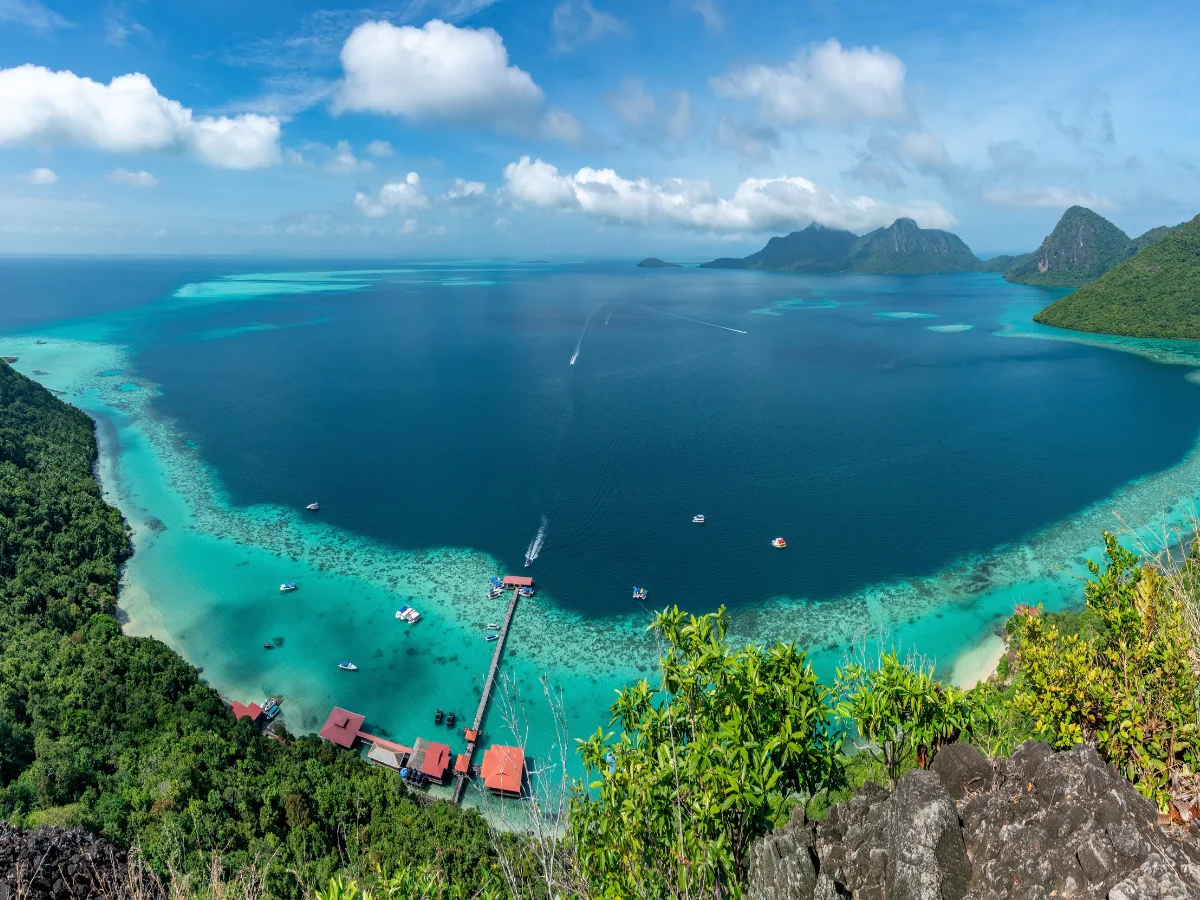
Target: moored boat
x,y
493,637
779,543
450,720
494,593
287,586
639,593
313,506
408,614
270,708
699,520
493,627
526,591
348,666
437,716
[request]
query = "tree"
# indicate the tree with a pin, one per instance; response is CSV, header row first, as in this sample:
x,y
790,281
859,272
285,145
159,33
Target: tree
x,y
1130,688
901,711
706,762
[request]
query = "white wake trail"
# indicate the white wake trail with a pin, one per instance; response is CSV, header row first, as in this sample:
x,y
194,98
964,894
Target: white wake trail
x,y
535,546
582,335
697,321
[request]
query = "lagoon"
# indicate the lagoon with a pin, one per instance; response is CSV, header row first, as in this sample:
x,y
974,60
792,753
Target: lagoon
x,y
931,456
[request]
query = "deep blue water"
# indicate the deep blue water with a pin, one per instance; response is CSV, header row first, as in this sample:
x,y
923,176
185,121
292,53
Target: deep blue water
x,y
424,413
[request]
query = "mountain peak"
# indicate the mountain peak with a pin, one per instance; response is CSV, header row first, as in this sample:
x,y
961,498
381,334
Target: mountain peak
x,y
1083,246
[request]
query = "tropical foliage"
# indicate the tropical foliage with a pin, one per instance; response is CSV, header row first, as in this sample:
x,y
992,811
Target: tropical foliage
x,y
1153,295
119,734
1129,687
707,761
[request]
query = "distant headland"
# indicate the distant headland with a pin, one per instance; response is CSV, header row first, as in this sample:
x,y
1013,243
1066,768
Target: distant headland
x,y
653,262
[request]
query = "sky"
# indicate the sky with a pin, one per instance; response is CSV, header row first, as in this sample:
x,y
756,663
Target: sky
x,y
583,129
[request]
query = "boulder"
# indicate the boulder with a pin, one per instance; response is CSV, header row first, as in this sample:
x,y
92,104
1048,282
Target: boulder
x,y
60,864
1036,826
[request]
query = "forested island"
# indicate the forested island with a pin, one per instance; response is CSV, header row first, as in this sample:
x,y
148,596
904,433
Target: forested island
x,y
1154,294
710,769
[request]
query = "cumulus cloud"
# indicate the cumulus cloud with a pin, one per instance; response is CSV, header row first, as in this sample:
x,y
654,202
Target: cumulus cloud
x,y
441,72
709,13
577,22
757,204
1054,197
141,179
40,177
395,195
31,14
824,83
380,149
464,190
127,115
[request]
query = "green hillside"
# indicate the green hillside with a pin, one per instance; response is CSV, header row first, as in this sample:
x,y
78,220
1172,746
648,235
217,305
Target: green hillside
x,y
904,248
1155,294
1082,246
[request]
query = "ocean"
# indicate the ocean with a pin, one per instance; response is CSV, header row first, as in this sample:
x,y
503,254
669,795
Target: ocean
x,y
930,455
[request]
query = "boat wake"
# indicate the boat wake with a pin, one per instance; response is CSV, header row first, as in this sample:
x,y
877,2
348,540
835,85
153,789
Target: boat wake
x,y
535,546
613,311
697,321
582,335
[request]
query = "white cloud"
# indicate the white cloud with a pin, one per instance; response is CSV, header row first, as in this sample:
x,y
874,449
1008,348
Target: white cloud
x,y
501,224
1053,197
31,14
40,177
438,71
577,22
645,117
560,125
823,83
45,108
344,162
141,179
464,190
380,149
409,227
757,204
395,195
710,14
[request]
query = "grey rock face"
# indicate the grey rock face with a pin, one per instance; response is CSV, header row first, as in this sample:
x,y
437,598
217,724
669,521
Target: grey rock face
x,y
59,864
1039,825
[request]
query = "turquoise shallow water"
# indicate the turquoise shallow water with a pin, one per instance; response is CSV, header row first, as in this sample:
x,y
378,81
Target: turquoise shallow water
x,y
188,392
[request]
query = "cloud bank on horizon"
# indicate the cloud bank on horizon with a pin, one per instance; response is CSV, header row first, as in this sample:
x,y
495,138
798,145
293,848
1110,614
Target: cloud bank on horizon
x,y
692,127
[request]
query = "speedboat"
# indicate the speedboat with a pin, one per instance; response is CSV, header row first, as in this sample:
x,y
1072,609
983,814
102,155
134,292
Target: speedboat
x,y
348,666
494,593
779,543
526,591
493,637
493,627
495,582
287,586
639,593
270,708
450,719
408,614
313,507
437,716
528,561
699,520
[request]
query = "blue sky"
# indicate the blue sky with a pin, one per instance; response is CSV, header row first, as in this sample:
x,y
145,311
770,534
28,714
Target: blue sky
x,y
583,128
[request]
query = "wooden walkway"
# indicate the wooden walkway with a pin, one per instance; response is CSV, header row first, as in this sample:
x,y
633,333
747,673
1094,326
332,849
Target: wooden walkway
x,y
460,779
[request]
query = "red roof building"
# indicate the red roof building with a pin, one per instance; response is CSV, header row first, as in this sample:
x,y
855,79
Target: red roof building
x,y
342,727
431,759
251,711
503,770
462,764
513,581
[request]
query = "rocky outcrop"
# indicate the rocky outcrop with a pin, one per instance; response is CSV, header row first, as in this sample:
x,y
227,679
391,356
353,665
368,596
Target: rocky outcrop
x,y
1037,826
57,864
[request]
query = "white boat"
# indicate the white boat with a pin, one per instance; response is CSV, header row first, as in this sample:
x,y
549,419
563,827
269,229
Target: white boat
x,y
270,708
494,593
313,506
287,586
779,543
699,520
493,637
639,593
493,626
408,614
348,666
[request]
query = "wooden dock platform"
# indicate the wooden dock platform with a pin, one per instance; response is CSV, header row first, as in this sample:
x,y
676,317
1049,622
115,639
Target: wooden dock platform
x,y
460,779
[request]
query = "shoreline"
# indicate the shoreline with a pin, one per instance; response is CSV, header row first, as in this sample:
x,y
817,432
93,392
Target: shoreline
x,y
200,565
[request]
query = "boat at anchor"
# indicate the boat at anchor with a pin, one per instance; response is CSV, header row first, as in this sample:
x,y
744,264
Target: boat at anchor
x,y
313,506
287,586
348,666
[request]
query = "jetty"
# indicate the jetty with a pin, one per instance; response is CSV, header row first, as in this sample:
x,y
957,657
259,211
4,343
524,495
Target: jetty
x,y
461,772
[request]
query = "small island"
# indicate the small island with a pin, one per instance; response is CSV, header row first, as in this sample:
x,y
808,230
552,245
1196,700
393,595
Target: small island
x,y
653,262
